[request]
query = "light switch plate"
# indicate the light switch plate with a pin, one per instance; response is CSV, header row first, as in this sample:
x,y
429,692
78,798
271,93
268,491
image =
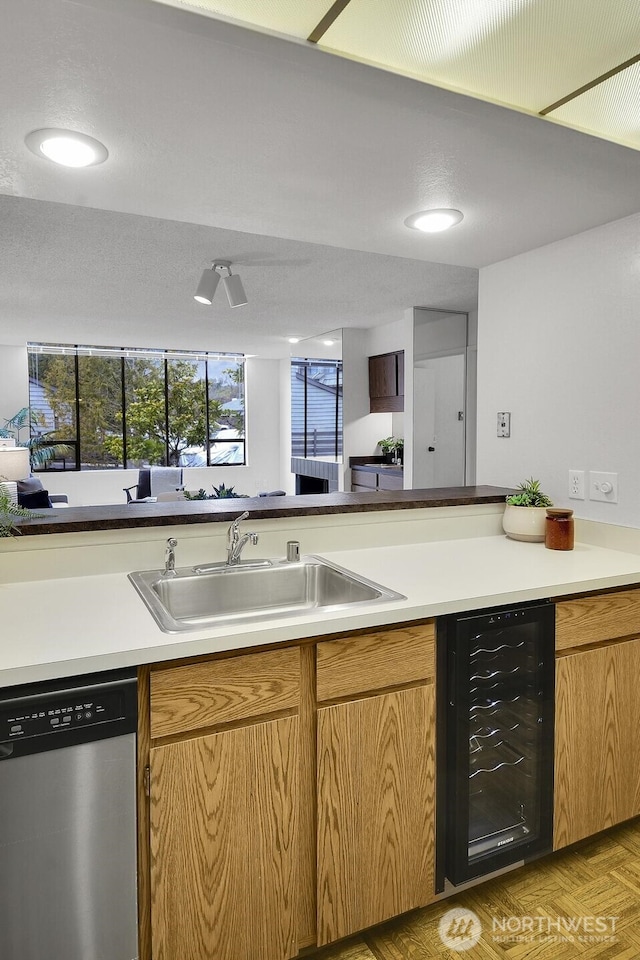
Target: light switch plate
x,y
504,425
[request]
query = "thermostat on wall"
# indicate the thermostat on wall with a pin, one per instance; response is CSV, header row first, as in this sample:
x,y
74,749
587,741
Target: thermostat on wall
x,y
504,424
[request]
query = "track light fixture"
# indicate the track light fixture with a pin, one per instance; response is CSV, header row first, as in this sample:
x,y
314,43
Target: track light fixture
x,y
231,282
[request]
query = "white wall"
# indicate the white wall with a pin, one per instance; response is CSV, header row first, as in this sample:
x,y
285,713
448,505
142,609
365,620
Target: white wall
x,y
14,382
438,334
362,429
264,470
559,347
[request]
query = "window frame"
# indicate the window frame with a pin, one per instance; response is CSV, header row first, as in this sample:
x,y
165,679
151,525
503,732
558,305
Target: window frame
x,y
78,351
306,363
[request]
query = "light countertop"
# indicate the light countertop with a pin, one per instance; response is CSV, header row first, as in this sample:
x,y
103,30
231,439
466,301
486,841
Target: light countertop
x,y
62,627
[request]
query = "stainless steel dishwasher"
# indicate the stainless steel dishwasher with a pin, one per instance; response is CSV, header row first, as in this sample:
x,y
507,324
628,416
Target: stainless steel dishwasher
x,y
68,819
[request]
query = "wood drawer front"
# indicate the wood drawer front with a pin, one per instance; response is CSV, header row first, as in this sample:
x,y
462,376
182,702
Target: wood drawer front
x,y
374,661
220,691
364,478
593,619
389,482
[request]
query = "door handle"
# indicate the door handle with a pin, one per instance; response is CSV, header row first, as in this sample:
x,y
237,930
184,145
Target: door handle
x,y
431,449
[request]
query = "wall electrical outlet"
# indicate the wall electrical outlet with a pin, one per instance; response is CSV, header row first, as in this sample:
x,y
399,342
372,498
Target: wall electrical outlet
x,y
576,484
603,486
504,425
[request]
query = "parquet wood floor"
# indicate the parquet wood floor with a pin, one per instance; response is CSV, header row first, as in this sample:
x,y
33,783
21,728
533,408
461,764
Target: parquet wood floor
x,y
599,877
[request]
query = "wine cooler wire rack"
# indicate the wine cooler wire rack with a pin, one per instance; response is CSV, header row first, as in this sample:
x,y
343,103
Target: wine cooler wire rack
x,y
502,737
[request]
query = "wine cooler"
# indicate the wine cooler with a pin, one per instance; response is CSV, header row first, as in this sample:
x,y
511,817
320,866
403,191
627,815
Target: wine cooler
x,y
495,802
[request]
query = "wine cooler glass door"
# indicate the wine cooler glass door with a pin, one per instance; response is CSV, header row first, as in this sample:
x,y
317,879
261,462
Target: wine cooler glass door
x,y
500,739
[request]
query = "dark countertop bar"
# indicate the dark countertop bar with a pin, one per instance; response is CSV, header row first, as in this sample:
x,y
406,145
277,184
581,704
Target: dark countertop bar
x,y
122,516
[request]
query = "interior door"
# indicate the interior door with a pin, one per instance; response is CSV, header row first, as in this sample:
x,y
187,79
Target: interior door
x,y
439,427
424,432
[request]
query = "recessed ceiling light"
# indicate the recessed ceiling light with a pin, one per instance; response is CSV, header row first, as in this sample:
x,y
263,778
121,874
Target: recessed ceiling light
x,y
328,343
294,339
67,147
433,221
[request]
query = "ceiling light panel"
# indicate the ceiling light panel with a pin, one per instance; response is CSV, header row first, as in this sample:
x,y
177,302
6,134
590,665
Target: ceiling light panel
x,y
291,17
610,110
523,53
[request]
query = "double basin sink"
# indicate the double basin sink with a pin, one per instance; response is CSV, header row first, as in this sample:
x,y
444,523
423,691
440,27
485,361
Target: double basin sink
x,y
191,598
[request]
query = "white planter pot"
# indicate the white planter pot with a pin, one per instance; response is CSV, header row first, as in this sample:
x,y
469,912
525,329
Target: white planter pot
x,y
524,523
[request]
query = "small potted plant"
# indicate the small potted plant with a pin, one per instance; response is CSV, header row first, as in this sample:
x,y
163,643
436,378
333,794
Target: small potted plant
x,y
219,493
389,447
525,512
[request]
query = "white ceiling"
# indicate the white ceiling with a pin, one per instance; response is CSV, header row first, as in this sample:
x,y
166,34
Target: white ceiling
x,y
91,274
212,127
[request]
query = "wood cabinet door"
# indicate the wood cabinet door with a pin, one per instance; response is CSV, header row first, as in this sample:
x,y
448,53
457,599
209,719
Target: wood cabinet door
x,y
386,383
400,372
597,741
376,803
383,375
223,845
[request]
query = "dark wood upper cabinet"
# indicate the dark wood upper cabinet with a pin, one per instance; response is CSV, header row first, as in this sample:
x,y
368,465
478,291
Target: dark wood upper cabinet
x,y
386,382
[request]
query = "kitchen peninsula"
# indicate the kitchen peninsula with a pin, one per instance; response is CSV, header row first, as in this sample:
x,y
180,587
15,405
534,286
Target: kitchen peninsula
x,y
443,550
127,516
294,706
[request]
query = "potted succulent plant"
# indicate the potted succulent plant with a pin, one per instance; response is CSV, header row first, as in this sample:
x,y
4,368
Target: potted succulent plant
x,y
219,493
525,512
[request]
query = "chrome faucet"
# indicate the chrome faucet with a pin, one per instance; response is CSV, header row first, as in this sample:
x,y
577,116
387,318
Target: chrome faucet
x,y
170,558
235,542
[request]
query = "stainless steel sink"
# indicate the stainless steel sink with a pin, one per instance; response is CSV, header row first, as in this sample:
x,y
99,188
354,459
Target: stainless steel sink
x,y
222,594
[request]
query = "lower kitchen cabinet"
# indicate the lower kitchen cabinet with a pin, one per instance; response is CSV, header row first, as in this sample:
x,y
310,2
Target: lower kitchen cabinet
x,y
369,481
376,773
290,797
223,823
376,780
597,740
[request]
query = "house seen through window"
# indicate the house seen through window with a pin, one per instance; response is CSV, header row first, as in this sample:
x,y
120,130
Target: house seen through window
x,y
316,408
105,408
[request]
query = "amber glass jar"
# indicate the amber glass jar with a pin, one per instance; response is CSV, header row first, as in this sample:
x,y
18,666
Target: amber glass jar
x,y
558,531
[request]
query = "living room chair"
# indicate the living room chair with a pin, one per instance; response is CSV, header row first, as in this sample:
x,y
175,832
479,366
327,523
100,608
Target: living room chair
x,y
153,481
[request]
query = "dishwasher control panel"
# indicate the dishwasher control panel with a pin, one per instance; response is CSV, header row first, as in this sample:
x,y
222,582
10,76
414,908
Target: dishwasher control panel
x,y
35,716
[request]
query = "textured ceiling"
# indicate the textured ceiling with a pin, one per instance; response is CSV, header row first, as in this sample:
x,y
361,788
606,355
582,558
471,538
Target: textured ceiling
x,y
214,131
71,274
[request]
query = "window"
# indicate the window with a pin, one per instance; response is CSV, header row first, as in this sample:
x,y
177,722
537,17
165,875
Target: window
x,y
316,408
113,407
